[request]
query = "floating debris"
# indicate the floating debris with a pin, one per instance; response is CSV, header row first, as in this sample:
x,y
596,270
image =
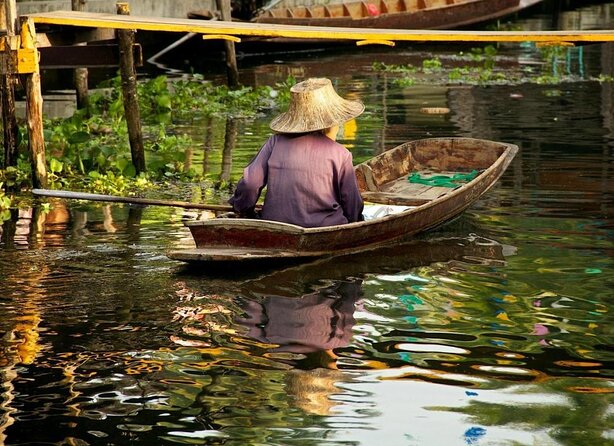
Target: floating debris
x,y
435,110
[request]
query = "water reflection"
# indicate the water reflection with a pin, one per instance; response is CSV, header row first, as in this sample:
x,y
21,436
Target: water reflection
x,y
193,357
320,321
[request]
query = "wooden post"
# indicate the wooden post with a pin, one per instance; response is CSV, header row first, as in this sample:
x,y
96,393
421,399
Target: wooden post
x,y
80,74
34,106
231,58
131,105
8,16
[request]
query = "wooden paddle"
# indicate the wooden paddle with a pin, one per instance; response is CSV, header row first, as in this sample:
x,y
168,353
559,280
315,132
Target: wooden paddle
x,y
132,200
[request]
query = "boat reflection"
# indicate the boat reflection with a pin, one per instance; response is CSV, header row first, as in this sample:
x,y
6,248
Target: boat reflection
x,y
294,280
297,322
316,322
307,310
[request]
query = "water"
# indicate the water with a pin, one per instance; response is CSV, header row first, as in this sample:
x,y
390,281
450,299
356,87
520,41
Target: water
x,y
493,330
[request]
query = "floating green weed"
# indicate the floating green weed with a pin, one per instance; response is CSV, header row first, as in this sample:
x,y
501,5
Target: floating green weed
x,y
481,68
405,82
90,149
110,183
5,201
165,100
15,177
431,65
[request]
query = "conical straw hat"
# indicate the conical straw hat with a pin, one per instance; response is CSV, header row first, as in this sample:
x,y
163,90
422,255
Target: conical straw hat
x,y
315,105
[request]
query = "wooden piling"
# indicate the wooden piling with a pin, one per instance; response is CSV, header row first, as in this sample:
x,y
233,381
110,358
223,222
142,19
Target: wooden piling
x,y
8,17
131,105
80,75
34,105
231,58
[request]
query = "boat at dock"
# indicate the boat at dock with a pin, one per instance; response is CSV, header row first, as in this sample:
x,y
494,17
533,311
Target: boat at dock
x,y
390,14
424,183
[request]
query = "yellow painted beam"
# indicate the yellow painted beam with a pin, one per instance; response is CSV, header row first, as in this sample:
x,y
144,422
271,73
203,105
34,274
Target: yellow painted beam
x,y
100,20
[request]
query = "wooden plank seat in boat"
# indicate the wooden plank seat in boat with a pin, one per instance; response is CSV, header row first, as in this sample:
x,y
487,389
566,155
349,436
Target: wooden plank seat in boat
x,y
403,193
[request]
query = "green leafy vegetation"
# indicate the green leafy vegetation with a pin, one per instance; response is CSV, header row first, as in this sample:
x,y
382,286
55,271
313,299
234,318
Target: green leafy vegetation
x,y
484,66
90,150
5,204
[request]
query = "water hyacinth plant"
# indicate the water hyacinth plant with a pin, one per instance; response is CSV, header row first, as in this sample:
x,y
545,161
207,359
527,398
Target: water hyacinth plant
x,y
5,204
485,66
90,149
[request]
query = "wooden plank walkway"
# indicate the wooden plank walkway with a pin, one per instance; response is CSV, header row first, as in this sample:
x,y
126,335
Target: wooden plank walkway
x,y
221,28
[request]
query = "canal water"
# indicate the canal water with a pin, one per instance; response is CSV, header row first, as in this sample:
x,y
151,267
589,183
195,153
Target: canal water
x,y
493,330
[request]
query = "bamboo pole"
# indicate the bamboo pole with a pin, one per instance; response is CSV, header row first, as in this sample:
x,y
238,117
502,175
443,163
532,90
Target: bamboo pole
x,y
8,15
131,105
231,58
130,200
80,75
34,107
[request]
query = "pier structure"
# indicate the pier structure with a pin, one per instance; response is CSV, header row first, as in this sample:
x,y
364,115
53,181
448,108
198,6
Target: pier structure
x,y
19,55
152,8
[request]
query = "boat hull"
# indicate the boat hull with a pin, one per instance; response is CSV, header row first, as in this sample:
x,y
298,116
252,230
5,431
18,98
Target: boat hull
x,y
435,14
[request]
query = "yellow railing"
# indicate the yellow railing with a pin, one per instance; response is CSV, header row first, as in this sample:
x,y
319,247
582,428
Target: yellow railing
x,y
205,27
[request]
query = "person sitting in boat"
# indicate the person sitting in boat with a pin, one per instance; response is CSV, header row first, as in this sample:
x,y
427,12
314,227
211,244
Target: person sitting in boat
x,y
309,177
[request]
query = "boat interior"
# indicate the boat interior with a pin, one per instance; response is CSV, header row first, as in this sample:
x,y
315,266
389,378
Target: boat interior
x,y
402,192
359,9
386,179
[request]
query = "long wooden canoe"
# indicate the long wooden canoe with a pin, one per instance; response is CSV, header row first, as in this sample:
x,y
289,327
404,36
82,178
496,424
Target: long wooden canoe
x,y
383,179
390,14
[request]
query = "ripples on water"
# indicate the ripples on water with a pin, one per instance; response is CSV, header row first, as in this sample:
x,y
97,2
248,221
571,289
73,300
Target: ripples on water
x,y
493,330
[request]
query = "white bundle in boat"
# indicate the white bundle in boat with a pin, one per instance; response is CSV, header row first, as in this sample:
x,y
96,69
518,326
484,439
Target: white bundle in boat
x,y
373,211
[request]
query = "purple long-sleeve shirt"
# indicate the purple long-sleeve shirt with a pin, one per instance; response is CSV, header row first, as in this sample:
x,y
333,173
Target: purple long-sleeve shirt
x,y
309,178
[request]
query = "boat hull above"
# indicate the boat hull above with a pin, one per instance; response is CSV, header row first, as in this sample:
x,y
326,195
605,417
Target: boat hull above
x,y
425,14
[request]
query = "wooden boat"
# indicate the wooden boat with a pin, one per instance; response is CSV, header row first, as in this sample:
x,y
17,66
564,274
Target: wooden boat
x,y
391,14
396,14
382,179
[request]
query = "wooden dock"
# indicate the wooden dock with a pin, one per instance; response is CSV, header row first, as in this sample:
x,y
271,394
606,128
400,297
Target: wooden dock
x,y
234,30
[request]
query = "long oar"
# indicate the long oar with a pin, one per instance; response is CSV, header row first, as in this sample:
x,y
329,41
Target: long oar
x,y
131,200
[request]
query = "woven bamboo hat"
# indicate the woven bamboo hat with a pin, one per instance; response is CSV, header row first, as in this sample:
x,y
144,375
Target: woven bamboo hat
x,y
315,105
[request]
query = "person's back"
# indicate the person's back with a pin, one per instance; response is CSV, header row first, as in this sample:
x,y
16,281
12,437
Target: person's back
x,y
309,177
311,182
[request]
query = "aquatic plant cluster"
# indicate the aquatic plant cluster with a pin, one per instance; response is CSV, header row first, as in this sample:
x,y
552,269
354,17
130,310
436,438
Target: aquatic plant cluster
x,y
5,204
482,66
90,150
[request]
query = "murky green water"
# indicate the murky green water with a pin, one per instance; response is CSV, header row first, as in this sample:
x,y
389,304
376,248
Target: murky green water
x,y
493,330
